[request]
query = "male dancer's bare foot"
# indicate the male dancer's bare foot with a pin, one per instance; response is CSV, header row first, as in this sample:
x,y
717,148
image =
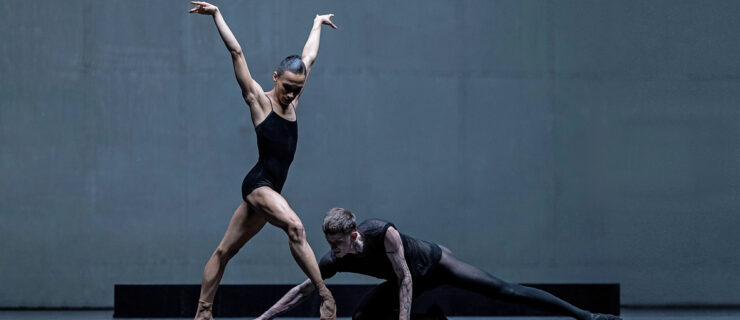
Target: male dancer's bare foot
x,y
601,316
205,311
328,309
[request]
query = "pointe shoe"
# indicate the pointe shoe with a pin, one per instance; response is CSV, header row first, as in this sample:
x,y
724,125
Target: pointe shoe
x,y
328,309
205,311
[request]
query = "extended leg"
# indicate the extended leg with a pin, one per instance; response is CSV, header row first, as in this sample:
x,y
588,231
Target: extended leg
x,y
465,276
278,213
243,226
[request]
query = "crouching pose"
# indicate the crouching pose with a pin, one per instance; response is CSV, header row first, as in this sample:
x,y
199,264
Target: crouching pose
x,y
410,266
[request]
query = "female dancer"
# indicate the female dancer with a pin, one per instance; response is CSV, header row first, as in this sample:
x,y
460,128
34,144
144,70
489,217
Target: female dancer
x,y
274,118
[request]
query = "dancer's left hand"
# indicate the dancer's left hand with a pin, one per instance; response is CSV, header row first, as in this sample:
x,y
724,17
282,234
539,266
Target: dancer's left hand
x,y
326,19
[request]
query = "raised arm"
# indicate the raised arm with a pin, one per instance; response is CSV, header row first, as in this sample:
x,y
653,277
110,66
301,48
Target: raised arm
x,y
311,49
394,251
251,91
291,299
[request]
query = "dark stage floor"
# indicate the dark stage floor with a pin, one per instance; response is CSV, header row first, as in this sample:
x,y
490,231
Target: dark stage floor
x,y
627,314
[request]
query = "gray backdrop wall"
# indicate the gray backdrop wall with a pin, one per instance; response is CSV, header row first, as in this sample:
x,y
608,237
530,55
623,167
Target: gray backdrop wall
x,y
544,141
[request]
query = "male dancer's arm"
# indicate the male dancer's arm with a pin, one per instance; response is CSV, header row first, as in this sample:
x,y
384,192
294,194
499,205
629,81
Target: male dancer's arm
x,y
291,299
299,293
394,250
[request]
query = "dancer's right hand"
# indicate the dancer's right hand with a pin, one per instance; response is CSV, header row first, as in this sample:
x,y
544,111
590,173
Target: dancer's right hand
x,y
203,8
328,309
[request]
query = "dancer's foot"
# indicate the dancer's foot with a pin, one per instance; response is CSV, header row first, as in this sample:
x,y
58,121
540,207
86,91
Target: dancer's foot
x,y
328,309
601,316
205,311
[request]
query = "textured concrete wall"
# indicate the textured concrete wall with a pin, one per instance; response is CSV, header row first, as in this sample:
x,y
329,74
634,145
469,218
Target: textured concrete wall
x,y
544,141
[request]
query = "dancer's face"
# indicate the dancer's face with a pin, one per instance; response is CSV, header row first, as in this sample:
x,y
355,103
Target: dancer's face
x,y
288,85
341,244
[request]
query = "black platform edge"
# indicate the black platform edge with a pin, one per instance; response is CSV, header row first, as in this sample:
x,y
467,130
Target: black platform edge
x,y
56,308
180,301
682,306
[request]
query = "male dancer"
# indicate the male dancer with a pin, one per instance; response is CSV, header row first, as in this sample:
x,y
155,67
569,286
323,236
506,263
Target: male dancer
x,y
410,266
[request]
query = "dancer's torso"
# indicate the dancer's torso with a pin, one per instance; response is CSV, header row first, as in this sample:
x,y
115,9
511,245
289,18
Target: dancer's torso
x,y
277,139
421,256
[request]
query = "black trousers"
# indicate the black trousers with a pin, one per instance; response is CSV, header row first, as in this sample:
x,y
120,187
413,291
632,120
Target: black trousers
x,y
382,301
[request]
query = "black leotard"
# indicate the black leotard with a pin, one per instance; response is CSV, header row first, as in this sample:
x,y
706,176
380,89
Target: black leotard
x,y
276,141
421,256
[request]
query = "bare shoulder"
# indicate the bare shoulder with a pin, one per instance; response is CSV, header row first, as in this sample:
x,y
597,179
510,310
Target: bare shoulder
x,y
259,105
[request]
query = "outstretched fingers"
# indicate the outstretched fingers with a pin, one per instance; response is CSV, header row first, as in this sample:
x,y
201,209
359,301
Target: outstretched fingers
x,y
197,8
326,19
201,7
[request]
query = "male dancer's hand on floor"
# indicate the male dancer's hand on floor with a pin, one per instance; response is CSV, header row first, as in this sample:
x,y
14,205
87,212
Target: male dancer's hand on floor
x,y
328,309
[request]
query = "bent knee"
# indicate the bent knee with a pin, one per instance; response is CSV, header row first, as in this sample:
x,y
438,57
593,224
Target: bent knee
x,y
224,253
296,232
